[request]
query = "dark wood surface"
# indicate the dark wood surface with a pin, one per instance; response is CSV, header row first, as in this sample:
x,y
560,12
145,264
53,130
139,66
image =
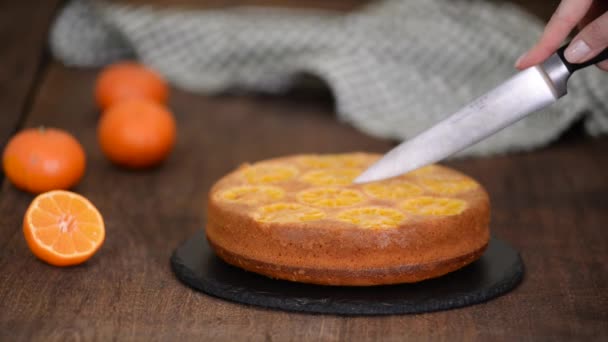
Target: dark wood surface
x,y
550,204
23,30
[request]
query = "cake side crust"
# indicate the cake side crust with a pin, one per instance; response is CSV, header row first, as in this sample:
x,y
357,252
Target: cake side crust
x,y
341,277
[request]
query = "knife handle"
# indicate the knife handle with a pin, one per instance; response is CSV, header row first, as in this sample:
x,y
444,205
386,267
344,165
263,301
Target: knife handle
x,y
572,67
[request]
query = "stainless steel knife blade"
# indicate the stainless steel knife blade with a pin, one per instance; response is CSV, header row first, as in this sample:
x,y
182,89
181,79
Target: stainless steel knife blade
x,y
522,94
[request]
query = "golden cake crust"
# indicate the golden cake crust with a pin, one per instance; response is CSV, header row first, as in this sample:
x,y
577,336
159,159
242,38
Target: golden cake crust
x,y
299,218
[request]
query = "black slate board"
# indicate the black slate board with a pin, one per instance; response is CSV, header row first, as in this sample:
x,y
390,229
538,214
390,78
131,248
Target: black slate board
x,y
498,271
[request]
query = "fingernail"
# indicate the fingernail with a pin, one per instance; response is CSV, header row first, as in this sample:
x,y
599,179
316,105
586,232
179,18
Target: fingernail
x,y
521,58
577,51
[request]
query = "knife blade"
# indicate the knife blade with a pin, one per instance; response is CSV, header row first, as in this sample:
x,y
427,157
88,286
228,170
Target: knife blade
x,y
524,93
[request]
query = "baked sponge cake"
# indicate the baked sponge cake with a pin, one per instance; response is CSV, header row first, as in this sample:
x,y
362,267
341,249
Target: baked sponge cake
x,y
300,218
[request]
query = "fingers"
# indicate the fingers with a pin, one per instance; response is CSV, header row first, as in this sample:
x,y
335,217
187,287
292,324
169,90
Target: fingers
x,y
603,65
565,18
590,41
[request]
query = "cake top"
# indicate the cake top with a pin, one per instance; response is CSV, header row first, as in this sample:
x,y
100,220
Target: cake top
x,y
313,188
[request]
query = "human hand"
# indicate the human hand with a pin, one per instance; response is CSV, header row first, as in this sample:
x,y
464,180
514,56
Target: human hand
x,y
591,17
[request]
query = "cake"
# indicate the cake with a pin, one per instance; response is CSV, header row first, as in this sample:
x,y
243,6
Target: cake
x,y
300,218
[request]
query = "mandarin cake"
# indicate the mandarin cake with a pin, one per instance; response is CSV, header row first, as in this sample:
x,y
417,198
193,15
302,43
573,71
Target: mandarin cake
x,y
300,218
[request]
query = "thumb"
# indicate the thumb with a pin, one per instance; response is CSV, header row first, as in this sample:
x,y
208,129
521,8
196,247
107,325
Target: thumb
x,y
590,41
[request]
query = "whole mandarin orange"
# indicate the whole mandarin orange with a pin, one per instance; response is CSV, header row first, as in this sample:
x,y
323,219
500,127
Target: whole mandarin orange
x,y
127,80
136,133
43,159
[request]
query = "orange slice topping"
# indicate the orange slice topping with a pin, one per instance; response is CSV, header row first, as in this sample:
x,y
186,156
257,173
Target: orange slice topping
x,y
434,206
288,212
331,176
372,217
251,194
261,174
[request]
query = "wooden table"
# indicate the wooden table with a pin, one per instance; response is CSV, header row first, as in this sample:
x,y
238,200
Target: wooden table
x,y
551,204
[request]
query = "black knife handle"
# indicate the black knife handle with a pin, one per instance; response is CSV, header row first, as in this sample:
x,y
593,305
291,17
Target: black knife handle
x,y
572,67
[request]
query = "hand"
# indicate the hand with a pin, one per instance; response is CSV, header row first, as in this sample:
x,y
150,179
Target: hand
x,y
591,16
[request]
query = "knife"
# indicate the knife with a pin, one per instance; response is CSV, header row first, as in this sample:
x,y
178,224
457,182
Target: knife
x,y
522,94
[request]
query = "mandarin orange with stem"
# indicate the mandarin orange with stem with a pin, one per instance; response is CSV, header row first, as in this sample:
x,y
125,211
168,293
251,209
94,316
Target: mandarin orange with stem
x,y
136,133
128,80
63,228
43,159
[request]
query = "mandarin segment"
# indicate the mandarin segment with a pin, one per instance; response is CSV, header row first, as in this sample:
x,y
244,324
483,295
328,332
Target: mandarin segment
x,y
261,174
372,217
449,186
393,190
91,231
49,205
330,197
331,176
64,244
82,242
48,235
288,212
434,206
42,218
424,171
77,206
252,194
317,162
347,160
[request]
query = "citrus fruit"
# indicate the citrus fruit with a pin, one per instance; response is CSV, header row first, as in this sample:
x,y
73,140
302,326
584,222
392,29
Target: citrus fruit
x,y
43,159
434,206
269,173
428,170
136,133
252,194
372,217
288,212
449,186
392,189
63,228
347,160
128,80
331,176
330,197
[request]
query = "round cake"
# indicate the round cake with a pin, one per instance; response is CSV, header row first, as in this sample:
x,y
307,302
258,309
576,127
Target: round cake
x,y
300,218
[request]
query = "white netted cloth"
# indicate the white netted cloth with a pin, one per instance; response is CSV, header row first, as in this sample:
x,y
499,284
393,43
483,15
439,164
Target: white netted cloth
x,y
394,67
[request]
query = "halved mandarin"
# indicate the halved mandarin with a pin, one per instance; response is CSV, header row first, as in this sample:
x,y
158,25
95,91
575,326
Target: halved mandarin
x,y
372,217
330,197
433,206
288,212
265,173
252,194
331,176
449,186
393,190
63,228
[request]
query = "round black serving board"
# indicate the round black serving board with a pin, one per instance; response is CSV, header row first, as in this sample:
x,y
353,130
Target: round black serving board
x,y
498,271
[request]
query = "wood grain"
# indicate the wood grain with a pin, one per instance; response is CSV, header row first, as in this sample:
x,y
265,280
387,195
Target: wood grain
x,y
23,30
549,204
